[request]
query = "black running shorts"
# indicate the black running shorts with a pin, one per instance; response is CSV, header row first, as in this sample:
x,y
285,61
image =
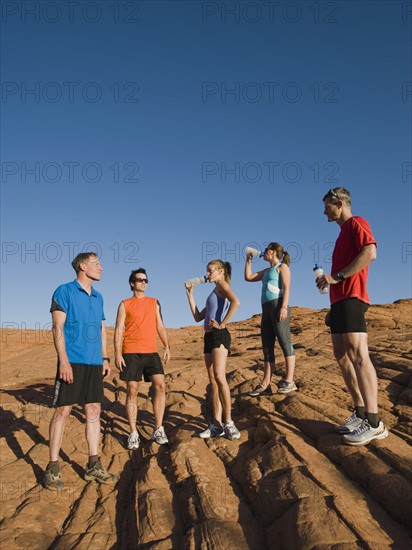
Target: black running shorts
x,y
141,364
87,386
348,316
215,338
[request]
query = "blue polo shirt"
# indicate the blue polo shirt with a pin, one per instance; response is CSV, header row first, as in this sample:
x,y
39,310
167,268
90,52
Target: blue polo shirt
x,y
84,316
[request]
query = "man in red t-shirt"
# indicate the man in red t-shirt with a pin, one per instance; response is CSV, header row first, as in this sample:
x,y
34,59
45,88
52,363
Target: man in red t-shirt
x,y
355,249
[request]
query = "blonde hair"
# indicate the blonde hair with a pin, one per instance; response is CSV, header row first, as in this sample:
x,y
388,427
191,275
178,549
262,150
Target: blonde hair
x,y
280,252
227,268
338,194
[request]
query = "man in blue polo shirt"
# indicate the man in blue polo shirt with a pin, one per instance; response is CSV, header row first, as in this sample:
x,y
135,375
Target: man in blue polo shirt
x,y
79,337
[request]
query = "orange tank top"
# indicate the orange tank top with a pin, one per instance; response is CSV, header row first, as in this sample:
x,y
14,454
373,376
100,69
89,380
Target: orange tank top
x,y
140,325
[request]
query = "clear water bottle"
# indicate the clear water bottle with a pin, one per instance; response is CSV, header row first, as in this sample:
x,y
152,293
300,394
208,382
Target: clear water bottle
x,y
317,272
254,251
196,281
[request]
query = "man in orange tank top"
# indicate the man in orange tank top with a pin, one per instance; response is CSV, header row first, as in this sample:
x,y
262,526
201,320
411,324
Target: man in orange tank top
x,y
138,322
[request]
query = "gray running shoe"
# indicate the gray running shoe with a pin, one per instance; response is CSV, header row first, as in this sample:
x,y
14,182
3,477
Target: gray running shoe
x,y
365,433
287,387
231,431
349,425
159,436
212,431
99,474
133,441
52,479
260,390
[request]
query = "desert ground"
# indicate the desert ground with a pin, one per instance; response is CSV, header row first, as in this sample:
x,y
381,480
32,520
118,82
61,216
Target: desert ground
x,y
288,483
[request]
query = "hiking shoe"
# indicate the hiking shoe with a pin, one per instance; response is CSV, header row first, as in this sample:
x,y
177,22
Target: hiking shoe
x,y
97,473
287,387
365,433
133,441
281,383
260,390
349,425
212,431
231,431
52,479
159,436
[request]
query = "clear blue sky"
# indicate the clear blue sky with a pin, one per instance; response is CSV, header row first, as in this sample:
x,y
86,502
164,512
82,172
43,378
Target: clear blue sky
x,y
166,134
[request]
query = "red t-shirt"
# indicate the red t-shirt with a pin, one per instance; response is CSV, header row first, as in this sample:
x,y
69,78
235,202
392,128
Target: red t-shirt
x,y
355,233
140,325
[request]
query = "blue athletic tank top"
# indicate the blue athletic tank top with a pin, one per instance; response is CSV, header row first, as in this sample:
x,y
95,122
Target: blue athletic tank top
x,y
271,284
216,308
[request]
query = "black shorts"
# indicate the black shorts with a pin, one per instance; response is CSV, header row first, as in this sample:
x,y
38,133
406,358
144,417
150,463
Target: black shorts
x,y
138,364
87,386
215,338
348,316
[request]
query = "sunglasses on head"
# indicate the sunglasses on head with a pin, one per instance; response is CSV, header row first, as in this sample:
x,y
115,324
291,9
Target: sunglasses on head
x,y
334,195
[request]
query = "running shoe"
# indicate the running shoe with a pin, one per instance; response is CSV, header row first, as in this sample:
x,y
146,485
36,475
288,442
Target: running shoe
x,y
260,390
52,479
99,474
133,441
287,387
212,431
364,433
159,436
349,425
231,431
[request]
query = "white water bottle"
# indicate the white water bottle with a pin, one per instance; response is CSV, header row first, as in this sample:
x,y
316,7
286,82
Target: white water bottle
x,y
317,272
254,251
196,281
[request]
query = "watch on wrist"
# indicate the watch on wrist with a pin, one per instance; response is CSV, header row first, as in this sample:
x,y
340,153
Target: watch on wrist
x,y
106,359
340,276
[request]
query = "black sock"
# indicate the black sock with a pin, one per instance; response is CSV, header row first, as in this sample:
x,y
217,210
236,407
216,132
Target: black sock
x,y
373,419
51,464
360,412
92,460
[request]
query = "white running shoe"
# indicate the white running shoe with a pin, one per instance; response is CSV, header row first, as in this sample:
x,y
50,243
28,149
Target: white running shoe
x,y
212,431
231,431
365,433
133,441
159,436
349,425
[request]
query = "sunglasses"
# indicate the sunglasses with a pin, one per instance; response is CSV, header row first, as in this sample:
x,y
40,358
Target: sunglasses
x,y
141,281
334,195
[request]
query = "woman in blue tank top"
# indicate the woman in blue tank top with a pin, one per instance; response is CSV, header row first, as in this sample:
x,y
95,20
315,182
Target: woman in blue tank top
x,y
275,316
221,305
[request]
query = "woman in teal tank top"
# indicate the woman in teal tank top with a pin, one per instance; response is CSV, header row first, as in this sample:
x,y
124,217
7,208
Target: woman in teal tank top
x,y
275,316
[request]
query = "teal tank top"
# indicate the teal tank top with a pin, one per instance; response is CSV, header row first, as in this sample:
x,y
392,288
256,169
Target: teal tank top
x,y
271,284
